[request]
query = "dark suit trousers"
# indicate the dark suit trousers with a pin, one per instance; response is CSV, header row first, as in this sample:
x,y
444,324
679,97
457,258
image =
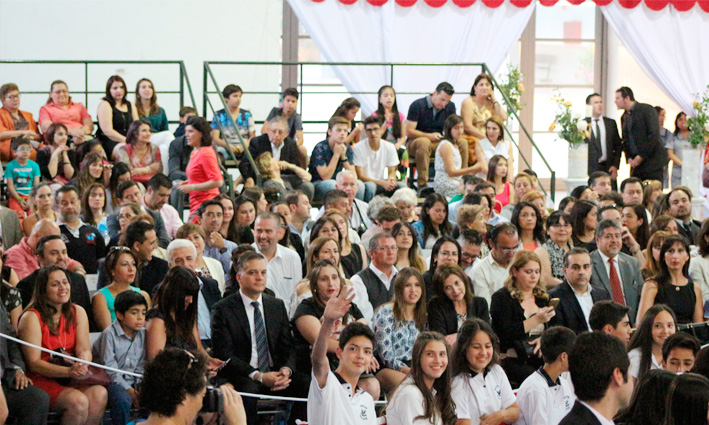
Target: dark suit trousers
x,y
299,387
27,406
647,175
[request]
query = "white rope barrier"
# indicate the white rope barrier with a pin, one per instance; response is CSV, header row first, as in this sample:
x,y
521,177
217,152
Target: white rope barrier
x,y
137,375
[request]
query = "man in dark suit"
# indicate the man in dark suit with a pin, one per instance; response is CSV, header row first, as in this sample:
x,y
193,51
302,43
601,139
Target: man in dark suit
x,y
618,273
284,150
641,137
182,252
130,192
576,296
604,145
679,205
251,329
601,382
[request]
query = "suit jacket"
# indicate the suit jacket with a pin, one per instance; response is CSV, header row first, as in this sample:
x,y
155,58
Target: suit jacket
x,y
11,229
210,291
443,318
614,147
580,415
10,355
231,335
630,276
261,144
569,312
641,136
163,239
178,158
690,234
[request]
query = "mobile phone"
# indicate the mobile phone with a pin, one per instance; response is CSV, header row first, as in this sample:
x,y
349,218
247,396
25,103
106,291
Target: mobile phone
x,y
554,302
221,366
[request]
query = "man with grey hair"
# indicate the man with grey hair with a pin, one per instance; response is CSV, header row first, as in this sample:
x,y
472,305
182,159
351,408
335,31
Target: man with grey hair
x,y
387,217
284,150
284,266
182,253
347,182
377,279
618,273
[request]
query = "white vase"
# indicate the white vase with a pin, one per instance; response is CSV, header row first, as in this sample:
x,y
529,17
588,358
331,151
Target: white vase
x,y
578,162
692,165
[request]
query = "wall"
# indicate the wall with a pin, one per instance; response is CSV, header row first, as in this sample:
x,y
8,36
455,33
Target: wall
x,y
193,31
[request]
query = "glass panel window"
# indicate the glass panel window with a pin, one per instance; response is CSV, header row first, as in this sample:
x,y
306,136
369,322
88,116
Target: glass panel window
x,y
566,21
564,63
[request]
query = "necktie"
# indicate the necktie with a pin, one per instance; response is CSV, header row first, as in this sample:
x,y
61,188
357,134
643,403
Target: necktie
x,y
598,130
261,340
615,284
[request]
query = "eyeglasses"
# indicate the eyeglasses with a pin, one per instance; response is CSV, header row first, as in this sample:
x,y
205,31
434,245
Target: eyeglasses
x,y
119,248
23,149
612,236
386,248
192,360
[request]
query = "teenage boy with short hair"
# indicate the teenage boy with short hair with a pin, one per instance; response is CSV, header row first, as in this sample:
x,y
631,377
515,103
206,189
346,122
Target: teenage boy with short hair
x,y
679,352
611,318
334,397
545,397
122,346
331,156
20,175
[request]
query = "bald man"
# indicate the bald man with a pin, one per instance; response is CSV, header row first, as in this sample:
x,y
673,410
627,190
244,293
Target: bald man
x,y
22,258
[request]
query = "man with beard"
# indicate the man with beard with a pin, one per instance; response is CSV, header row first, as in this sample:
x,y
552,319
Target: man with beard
x,y
211,216
679,205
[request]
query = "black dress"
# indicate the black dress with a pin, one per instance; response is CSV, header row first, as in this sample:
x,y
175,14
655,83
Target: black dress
x,y
121,121
681,299
171,340
352,262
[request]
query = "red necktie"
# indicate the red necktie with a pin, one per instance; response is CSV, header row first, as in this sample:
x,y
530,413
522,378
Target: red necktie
x,y
615,284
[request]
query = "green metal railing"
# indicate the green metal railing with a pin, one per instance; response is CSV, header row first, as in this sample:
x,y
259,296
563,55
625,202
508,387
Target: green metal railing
x,y
185,88
306,88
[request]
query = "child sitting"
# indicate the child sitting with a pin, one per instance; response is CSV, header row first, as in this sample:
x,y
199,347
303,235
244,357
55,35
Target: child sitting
x,y
122,346
20,175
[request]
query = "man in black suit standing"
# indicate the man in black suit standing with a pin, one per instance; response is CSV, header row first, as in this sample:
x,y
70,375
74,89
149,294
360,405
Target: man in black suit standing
x,y
604,145
576,296
284,150
601,382
641,137
252,330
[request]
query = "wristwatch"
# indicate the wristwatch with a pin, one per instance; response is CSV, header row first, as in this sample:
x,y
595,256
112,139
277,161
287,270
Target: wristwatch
x,y
223,250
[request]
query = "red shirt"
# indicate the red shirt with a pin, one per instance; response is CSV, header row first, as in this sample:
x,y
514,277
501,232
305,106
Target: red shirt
x,y
203,167
72,117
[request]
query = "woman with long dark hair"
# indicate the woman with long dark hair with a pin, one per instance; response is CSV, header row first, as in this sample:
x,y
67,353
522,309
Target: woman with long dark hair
x,y
497,172
407,255
583,224
687,400
93,169
645,347
119,174
53,322
672,286
93,209
396,325
57,160
679,141
479,107
394,120
446,250
146,103
41,201
424,397
115,114
448,163
139,153
348,110
476,371
530,225
635,219
434,222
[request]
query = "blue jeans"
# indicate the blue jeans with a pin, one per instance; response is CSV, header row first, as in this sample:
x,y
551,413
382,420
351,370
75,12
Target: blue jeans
x,y
120,403
323,186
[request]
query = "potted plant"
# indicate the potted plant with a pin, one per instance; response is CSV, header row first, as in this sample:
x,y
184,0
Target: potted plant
x,y
574,130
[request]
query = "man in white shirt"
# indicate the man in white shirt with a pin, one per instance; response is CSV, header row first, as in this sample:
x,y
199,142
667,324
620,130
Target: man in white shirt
x,y
470,242
576,296
546,396
346,181
375,162
600,182
284,266
374,285
334,397
490,273
601,382
156,198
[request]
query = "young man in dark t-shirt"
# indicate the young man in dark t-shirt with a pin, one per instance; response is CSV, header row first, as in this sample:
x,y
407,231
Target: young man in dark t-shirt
x,y
424,129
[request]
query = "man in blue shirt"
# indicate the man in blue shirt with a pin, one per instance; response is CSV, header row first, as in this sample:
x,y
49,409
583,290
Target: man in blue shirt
x,y
424,129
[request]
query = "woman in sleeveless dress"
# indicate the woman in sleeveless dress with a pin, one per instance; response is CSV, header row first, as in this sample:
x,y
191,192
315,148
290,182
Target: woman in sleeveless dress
x,y
115,114
448,163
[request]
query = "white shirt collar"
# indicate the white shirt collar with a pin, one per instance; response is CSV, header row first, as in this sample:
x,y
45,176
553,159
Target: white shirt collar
x,y
605,258
602,419
381,275
247,301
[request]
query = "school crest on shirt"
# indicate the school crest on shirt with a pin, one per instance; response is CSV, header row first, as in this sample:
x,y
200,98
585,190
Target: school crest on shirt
x,y
567,403
498,391
363,412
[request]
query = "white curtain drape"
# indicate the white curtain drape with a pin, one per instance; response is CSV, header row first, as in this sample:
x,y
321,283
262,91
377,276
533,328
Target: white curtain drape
x,y
361,32
670,46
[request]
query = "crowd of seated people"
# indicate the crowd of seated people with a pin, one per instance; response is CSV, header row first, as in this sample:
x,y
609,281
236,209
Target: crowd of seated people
x,y
381,289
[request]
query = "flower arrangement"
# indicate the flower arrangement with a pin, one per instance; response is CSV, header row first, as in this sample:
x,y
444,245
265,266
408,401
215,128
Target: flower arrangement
x,y
699,123
511,85
573,128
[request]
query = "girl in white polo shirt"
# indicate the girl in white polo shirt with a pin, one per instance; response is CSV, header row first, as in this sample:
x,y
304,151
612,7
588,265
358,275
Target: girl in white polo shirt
x,y
481,390
424,397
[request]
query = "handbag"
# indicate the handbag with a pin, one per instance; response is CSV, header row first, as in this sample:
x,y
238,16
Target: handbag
x,y
697,330
94,376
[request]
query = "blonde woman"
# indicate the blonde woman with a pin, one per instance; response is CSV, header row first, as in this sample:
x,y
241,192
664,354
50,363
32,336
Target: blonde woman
x,y
271,171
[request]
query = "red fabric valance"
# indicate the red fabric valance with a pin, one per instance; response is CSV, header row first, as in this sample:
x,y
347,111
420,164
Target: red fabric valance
x,y
679,5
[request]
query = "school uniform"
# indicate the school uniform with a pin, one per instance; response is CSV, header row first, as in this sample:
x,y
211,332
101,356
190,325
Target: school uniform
x,y
543,401
335,404
479,394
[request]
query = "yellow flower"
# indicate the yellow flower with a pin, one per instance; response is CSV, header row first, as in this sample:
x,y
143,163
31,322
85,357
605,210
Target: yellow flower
x,y
552,126
696,105
567,103
521,87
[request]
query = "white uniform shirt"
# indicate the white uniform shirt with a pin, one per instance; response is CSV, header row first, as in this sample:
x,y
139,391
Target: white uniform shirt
x,y
335,404
406,404
482,394
488,276
542,401
634,356
283,272
375,163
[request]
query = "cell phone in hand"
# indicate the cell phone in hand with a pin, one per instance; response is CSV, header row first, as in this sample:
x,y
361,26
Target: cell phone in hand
x,y
554,302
